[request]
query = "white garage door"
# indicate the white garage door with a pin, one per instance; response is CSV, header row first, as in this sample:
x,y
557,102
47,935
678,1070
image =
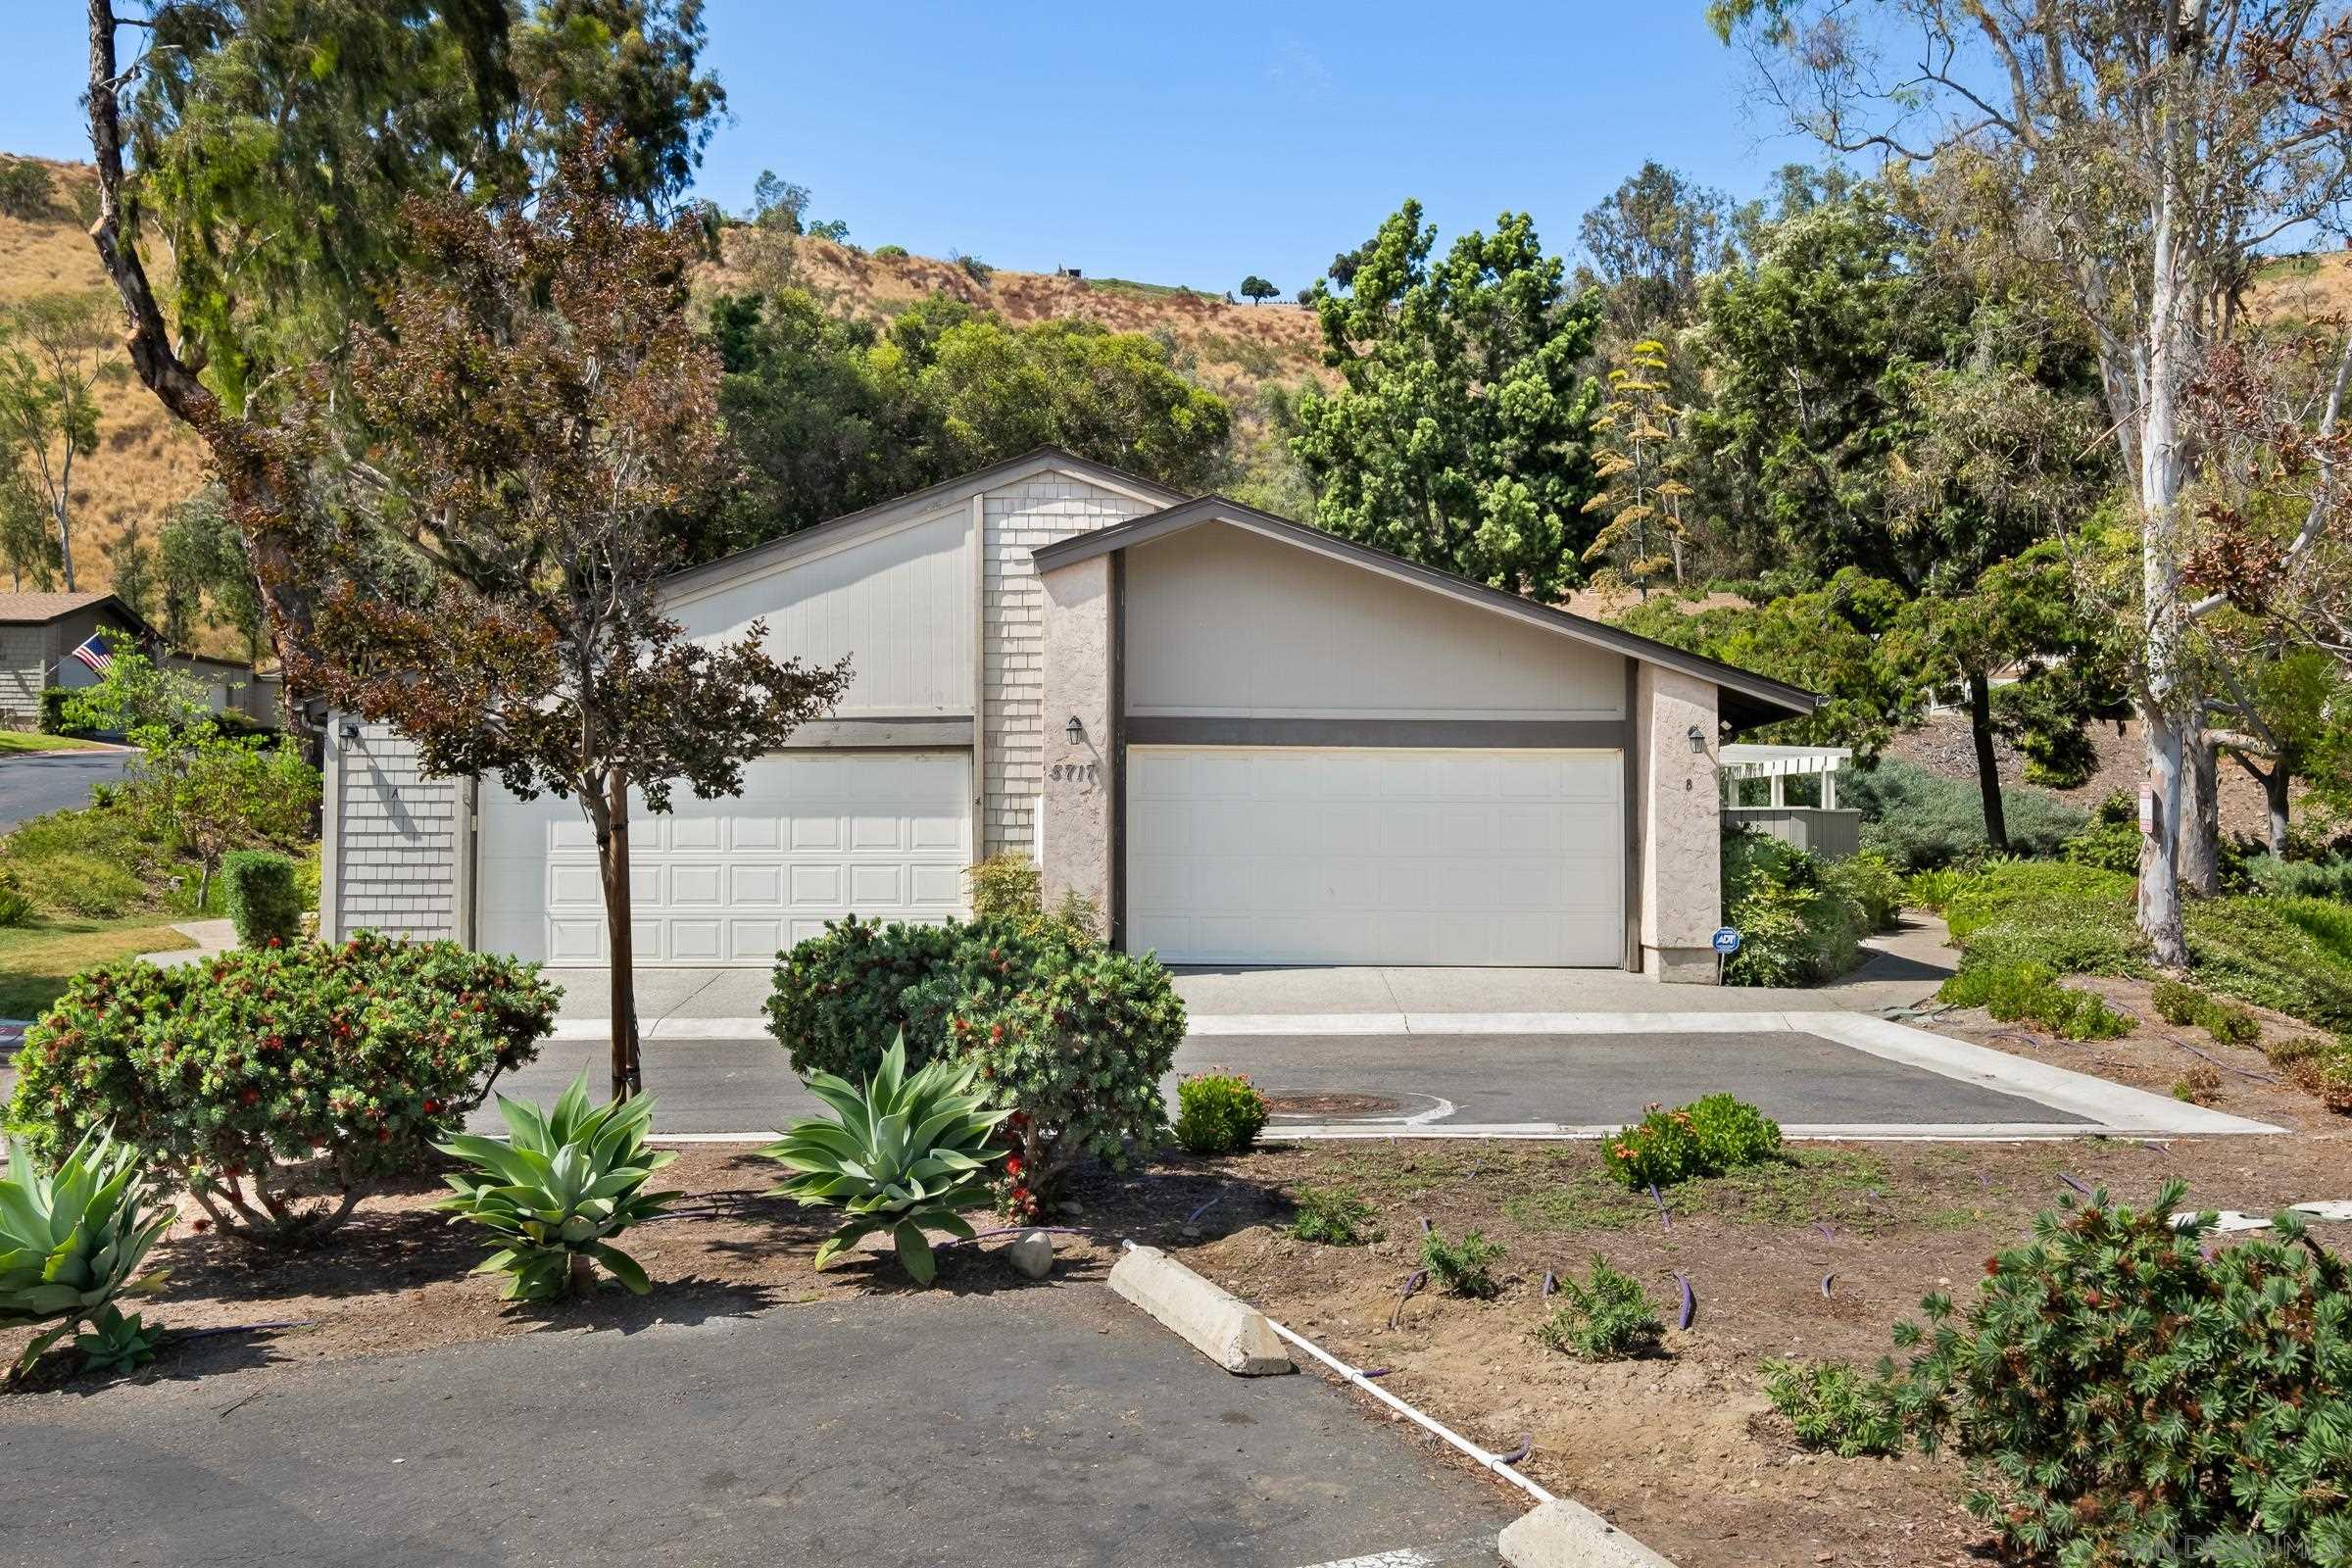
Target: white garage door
x,y
813,836
1295,856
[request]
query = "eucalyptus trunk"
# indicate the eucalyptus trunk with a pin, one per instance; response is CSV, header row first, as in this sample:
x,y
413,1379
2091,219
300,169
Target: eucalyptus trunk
x,y
2161,475
2202,817
2274,796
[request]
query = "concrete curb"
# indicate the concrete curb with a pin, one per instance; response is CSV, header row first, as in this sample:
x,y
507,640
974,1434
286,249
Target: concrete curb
x,y
1212,1319
1561,1534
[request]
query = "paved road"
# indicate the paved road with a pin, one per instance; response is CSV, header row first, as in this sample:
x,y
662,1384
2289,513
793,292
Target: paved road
x,y
1056,1426
33,786
713,1086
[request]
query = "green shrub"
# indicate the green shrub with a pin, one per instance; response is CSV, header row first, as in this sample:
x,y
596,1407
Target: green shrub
x,y
25,189
1869,883
53,712
2072,919
2177,1004
1075,1046
1705,1137
1609,1318
1921,820
1333,1217
2124,1398
16,905
1218,1113
557,1190
1465,1267
890,253
2323,921
71,1241
1795,929
264,902
1932,890
2248,948
2330,878
84,885
1071,1037
307,873
260,1072
2029,993
1005,887
906,1152
1833,1406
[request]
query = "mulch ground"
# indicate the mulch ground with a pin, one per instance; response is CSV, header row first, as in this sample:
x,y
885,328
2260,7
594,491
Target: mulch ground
x,y
1816,1257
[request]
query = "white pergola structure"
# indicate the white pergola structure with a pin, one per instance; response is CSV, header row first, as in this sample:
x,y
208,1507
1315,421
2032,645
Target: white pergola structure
x,y
1779,763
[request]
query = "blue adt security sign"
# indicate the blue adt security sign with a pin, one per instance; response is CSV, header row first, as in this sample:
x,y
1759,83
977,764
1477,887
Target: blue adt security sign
x,y
1726,941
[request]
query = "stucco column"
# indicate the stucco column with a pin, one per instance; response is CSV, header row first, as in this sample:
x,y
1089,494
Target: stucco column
x,y
1080,648
1681,825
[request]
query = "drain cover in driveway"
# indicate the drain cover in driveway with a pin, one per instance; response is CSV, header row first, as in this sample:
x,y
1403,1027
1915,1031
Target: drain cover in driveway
x,y
1330,1105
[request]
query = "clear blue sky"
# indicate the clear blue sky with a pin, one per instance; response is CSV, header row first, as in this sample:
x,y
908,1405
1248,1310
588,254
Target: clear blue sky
x,y
1175,145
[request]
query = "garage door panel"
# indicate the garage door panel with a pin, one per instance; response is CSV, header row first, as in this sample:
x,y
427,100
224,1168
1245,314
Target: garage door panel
x,y
813,836
1375,855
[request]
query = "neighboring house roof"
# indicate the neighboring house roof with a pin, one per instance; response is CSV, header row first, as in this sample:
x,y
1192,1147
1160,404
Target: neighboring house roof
x,y
1748,697
1042,459
39,610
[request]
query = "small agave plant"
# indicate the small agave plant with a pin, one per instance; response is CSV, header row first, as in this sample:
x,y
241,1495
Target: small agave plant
x,y
569,1181
71,1245
905,1155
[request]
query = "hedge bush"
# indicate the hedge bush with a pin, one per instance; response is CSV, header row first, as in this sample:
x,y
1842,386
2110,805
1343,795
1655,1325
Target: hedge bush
x,y
2122,1397
1218,1113
261,1073
1795,928
840,998
263,899
2029,993
1920,821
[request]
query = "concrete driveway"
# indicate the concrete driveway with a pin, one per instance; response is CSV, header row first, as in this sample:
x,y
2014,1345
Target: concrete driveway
x,y
1067,1429
35,786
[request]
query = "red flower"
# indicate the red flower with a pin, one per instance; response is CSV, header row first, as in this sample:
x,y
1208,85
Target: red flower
x,y
432,1108
249,1096
1013,1165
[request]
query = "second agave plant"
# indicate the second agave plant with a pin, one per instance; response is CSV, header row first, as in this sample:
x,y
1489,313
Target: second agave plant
x,y
905,1155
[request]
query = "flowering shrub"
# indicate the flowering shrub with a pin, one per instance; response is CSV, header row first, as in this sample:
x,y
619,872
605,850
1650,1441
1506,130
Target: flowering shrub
x,y
259,1069
1074,1046
1705,1137
1218,1113
2122,1397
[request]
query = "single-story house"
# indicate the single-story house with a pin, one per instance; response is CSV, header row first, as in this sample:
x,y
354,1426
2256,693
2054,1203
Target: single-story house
x,y
1247,741
40,633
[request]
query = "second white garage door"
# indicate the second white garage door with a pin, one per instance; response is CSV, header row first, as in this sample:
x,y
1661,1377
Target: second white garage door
x,y
813,836
1365,856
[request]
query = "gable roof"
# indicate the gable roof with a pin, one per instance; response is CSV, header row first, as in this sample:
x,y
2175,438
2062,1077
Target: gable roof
x,y
1748,698
915,503
39,610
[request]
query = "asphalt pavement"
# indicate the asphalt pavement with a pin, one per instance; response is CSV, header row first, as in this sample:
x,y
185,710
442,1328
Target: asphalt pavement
x,y
1051,1426
721,1085
35,786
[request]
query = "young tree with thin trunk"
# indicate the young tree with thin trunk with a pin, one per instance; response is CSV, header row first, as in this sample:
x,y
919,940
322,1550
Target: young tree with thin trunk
x,y
2137,154
54,349
546,409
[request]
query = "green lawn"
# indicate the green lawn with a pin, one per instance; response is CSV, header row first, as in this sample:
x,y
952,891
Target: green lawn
x,y
37,959
15,741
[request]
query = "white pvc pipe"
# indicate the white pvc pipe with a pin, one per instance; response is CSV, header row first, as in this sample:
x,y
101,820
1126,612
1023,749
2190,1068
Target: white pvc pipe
x,y
1484,1459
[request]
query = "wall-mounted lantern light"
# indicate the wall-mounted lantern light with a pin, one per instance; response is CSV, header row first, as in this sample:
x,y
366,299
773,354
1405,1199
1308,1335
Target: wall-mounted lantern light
x,y
351,729
1075,731
1698,740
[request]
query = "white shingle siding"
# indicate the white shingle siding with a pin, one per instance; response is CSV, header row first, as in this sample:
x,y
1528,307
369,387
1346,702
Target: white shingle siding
x,y
1019,518
21,661
395,842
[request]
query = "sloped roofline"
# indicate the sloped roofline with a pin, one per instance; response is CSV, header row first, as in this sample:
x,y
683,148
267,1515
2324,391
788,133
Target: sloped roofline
x,y
912,504
1766,700
95,601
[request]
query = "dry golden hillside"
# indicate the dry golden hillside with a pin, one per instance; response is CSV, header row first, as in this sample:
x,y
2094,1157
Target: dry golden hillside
x,y
146,462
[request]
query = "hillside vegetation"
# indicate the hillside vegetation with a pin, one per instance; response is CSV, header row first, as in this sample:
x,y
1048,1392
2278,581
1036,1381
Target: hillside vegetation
x,y
146,462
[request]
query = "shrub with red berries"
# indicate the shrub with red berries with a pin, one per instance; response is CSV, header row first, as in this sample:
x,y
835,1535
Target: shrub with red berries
x,y
261,1074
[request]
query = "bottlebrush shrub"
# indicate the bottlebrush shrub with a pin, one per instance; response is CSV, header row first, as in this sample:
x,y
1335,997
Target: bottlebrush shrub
x,y
261,1073
1705,1137
2125,1398
841,999
1076,1054
1218,1113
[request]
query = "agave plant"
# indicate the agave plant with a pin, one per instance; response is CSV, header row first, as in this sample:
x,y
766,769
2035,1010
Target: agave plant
x,y
118,1340
569,1181
72,1241
905,1154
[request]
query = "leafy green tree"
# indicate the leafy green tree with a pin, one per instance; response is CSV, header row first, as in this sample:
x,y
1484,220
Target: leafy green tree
x,y
201,574
1651,241
829,416
777,203
27,546
54,349
1257,290
1640,453
2288,715
1462,437
25,188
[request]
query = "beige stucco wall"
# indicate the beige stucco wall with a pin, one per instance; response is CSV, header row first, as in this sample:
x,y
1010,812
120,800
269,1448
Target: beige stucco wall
x,y
1080,640
1680,819
1222,622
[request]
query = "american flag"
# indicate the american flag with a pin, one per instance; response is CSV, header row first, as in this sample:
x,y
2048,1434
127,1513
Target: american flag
x,y
93,654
